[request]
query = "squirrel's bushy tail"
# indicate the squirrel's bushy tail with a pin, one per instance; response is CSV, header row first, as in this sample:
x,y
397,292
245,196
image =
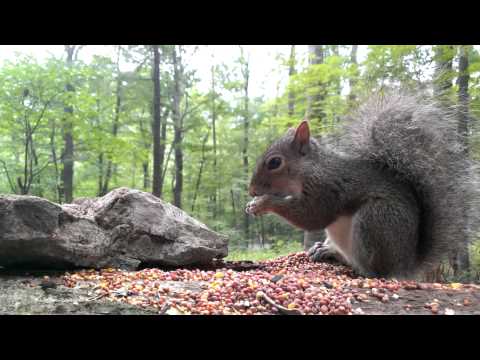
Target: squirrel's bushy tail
x,y
418,139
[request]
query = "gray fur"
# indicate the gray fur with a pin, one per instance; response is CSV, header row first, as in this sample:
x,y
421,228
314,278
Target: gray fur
x,y
399,169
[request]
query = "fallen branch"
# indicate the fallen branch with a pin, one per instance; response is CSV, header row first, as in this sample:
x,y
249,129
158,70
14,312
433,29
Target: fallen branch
x,y
98,297
281,309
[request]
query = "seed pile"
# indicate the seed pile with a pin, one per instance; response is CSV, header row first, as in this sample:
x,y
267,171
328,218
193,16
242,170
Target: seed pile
x,y
289,283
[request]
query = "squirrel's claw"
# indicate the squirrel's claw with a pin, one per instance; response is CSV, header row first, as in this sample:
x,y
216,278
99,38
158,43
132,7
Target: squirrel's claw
x,y
323,252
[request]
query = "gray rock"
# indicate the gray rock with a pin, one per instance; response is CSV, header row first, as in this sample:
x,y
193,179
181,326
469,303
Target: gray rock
x,y
125,228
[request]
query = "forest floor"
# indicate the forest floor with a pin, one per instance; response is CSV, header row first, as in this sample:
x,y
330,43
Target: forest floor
x,y
286,285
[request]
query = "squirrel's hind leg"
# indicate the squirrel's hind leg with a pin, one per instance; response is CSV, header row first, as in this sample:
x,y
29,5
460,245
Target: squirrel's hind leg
x,y
385,238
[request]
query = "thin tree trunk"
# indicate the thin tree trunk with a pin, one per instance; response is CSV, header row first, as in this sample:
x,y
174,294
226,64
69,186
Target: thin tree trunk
x,y
53,151
315,113
156,124
116,118
246,128
100,174
291,73
68,163
352,81
178,130
22,184
146,145
68,152
214,136
115,174
37,191
146,176
262,232
463,96
315,102
134,171
462,261
277,96
200,171
234,213
163,144
167,161
442,82
338,87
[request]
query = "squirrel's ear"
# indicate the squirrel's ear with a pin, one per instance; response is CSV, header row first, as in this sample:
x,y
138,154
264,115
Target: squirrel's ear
x,y
302,137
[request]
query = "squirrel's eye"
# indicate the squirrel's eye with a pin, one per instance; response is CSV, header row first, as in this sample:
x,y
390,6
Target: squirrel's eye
x,y
274,163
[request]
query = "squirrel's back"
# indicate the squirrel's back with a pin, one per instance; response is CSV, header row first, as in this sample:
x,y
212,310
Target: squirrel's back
x,y
418,141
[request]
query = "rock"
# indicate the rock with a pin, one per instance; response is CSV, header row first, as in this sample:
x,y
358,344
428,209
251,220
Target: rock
x,y
19,299
125,228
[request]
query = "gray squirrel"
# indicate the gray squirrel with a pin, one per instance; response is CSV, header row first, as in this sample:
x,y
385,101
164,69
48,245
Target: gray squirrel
x,y
396,193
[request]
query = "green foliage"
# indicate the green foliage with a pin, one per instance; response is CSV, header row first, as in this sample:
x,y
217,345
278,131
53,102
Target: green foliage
x,y
112,117
265,254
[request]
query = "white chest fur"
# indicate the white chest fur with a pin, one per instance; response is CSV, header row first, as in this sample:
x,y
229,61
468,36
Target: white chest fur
x,y
340,236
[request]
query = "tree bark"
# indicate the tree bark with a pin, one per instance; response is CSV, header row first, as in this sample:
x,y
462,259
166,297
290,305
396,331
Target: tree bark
x,y
116,118
234,212
53,149
100,174
200,171
146,145
146,176
352,81
442,82
246,127
214,136
178,130
291,72
315,102
68,152
462,261
163,144
156,124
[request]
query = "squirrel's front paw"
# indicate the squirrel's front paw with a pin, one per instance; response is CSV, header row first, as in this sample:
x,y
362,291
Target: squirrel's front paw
x,y
257,206
323,252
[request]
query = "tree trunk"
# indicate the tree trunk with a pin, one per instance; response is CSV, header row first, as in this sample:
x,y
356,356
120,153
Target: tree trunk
x,y
146,176
315,102
442,82
100,174
200,171
53,151
146,145
178,130
291,72
167,161
246,128
462,262
234,212
352,81
338,85
163,144
116,118
262,233
68,152
315,113
156,124
214,136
